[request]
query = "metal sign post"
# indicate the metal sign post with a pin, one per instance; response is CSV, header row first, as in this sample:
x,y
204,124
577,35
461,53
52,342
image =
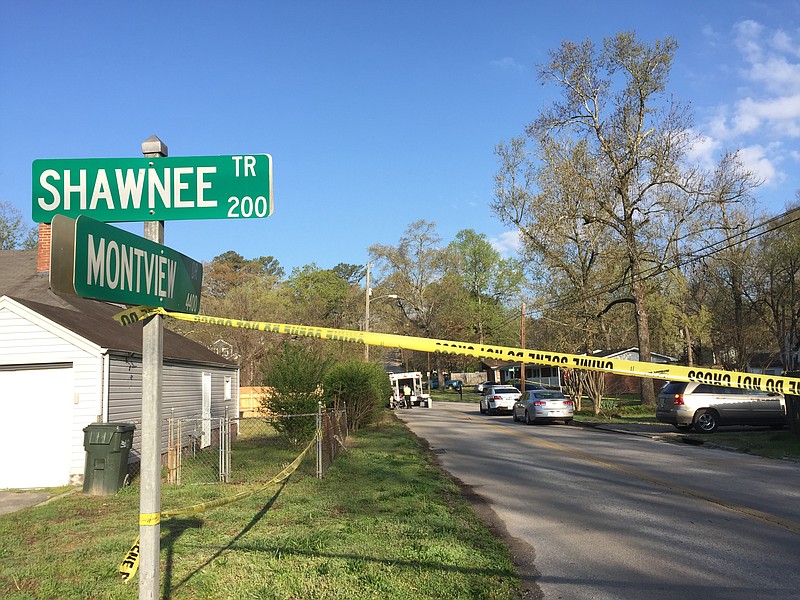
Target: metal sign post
x,y
152,361
105,263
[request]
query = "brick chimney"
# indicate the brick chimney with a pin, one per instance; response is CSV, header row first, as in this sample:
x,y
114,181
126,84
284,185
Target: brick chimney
x,y
43,250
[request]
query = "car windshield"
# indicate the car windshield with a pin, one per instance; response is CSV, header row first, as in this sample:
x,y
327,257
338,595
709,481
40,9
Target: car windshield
x,y
548,395
506,390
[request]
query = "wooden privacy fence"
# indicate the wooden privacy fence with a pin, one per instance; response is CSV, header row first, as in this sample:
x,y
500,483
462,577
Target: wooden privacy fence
x,y
250,401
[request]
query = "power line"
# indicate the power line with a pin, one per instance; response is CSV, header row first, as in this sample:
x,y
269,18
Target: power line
x,y
654,271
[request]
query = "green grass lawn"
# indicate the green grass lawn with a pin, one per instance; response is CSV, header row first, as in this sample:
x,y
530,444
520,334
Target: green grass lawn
x,y
467,395
756,440
614,412
385,523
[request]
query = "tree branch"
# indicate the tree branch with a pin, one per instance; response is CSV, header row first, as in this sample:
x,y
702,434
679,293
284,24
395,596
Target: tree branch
x,y
618,301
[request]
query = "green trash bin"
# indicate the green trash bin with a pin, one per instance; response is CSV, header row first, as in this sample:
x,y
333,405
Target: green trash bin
x,y
107,448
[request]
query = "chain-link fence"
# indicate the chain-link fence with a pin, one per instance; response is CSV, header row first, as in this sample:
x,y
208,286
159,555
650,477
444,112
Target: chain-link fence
x,y
333,431
247,450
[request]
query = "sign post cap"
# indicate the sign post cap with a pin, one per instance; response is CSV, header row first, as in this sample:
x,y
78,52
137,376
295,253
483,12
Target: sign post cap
x,y
153,146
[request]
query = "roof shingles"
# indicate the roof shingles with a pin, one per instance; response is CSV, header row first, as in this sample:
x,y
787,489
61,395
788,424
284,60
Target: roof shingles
x,y
89,319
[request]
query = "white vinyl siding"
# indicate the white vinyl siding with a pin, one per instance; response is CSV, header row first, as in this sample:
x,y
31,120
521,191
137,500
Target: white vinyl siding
x,y
28,342
181,393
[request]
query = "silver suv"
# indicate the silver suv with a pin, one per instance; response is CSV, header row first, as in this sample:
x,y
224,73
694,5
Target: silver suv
x,y
498,397
705,407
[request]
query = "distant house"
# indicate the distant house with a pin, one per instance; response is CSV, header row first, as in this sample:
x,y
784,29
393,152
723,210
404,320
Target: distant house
x,y
766,363
64,363
501,371
621,384
225,349
633,354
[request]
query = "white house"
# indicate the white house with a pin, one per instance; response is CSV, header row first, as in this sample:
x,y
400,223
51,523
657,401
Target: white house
x,y
64,363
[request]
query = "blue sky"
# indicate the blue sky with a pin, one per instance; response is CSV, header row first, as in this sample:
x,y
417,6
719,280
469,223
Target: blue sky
x,y
376,113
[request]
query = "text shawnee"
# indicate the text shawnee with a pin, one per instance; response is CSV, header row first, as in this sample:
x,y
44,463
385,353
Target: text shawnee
x,y
176,187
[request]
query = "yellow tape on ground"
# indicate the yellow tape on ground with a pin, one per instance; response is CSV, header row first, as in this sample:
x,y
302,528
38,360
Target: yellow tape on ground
x,y
749,381
130,564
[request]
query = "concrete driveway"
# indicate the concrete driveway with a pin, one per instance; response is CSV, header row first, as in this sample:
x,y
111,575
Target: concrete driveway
x,y
14,500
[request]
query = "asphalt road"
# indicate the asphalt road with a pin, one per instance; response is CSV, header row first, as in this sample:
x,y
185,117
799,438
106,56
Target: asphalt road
x,y
612,516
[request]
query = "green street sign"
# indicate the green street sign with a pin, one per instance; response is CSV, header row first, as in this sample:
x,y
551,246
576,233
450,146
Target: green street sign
x,y
108,263
153,189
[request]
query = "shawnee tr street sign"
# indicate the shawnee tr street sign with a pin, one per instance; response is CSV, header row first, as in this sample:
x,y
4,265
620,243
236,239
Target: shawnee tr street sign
x,y
163,189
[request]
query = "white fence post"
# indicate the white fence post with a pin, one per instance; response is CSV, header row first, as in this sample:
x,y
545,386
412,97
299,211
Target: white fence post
x,y
319,440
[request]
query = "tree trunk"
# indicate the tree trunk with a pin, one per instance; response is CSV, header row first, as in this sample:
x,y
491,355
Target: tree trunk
x,y
642,333
687,335
741,360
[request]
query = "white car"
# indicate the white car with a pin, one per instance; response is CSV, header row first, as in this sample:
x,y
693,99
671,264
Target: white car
x,y
498,398
479,388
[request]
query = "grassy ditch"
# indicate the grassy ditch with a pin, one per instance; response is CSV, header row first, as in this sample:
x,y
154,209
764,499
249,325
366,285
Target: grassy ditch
x,y
614,412
384,523
761,441
771,444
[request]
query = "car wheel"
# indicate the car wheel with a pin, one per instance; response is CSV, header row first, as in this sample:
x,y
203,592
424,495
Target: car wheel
x,y
683,427
567,421
514,416
480,404
706,421
528,420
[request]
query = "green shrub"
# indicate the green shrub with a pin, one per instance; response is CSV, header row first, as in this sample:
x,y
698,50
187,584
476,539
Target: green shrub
x,y
362,387
295,376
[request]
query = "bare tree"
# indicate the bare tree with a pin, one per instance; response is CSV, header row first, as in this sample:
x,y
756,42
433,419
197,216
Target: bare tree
x,y
574,265
630,142
14,233
409,271
412,271
777,286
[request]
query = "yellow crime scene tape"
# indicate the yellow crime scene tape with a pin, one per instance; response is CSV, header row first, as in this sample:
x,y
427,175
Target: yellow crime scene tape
x,y
130,564
748,381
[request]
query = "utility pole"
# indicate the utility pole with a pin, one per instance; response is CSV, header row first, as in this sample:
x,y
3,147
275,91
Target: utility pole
x,y
522,345
366,317
152,362
368,295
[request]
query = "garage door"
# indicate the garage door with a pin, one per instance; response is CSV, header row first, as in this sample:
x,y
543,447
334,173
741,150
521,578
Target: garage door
x,y
35,426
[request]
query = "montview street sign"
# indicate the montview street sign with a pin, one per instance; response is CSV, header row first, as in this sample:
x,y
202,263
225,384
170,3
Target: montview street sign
x,y
162,189
108,263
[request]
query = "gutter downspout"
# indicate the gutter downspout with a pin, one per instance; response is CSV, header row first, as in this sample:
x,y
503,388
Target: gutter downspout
x,y
104,384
